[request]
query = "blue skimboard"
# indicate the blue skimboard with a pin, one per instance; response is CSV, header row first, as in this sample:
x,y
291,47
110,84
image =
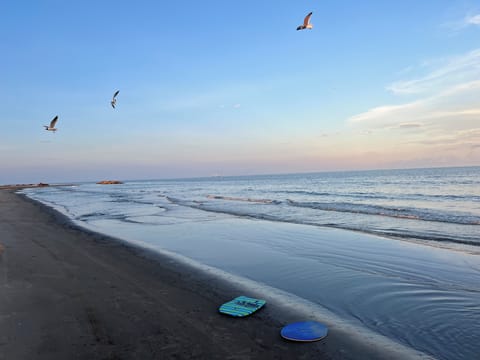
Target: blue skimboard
x,y
241,306
305,331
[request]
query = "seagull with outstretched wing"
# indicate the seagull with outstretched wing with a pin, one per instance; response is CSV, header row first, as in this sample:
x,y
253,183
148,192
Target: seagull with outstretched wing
x,y
306,22
114,100
51,127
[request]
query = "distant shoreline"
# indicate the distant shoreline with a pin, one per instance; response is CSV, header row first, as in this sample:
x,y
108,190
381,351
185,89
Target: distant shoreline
x,y
42,185
28,186
22,186
226,176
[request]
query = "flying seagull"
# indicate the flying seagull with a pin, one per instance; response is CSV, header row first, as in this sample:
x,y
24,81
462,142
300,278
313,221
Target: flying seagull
x,y
306,23
114,100
51,127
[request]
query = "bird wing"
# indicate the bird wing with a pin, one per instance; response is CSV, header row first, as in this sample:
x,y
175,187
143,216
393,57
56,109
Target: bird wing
x,y
53,122
307,19
116,93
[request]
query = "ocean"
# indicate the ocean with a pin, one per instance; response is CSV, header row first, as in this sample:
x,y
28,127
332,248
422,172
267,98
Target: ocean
x,y
396,252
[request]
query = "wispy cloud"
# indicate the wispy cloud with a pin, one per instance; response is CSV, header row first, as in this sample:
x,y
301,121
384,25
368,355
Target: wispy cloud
x,y
450,91
444,104
471,135
443,116
465,22
451,71
458,103
473,20
464,138
409,125
235,106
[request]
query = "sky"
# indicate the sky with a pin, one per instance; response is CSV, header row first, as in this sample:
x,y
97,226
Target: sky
x,y
229,87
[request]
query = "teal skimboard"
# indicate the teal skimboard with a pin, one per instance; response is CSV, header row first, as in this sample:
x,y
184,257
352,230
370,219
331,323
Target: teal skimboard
x,y
241,306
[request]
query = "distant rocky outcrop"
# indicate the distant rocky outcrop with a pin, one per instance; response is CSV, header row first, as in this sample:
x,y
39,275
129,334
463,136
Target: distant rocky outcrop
x,y
109,182
22,186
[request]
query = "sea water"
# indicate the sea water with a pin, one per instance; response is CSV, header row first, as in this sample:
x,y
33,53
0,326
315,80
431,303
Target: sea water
x,y
394,251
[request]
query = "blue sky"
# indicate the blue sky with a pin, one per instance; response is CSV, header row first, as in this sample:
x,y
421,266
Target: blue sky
x,y
230,87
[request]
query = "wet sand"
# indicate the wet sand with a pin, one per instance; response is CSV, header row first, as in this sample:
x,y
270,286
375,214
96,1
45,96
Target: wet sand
x,y
67,293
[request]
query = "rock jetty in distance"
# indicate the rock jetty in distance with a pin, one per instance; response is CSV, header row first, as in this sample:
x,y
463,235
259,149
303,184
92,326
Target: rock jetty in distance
x,y
109,182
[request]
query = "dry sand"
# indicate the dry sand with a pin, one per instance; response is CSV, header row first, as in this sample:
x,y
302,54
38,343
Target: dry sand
x,y
66,293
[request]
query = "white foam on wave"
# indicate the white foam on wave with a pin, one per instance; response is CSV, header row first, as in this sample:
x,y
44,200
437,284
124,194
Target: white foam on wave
x,y
231,198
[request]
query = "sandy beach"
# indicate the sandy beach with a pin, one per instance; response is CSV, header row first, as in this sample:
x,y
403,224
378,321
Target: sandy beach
x,y
68,293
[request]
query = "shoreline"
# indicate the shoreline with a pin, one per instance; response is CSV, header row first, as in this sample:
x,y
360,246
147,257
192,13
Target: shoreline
x,y
73,293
